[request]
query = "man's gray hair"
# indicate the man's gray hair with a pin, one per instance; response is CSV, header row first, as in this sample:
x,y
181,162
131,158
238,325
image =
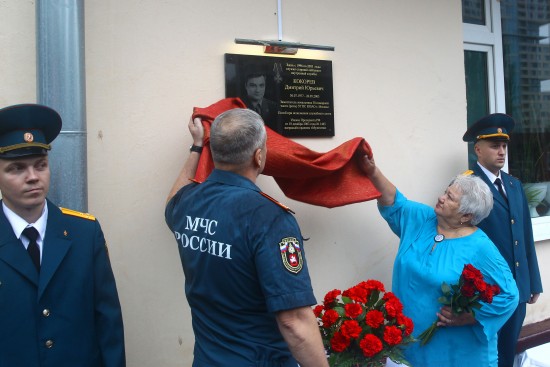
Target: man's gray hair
x,y
476,199
235,135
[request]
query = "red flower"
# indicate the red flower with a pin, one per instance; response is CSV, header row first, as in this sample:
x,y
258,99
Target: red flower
x,y
351,329
468,289
317,310
372,285
358,294
353,310
490,292
470,273
331,296
407,323
473,289
329,318
339,342
370,345
356,326
480,285
374,318
393,307
393,335
487,295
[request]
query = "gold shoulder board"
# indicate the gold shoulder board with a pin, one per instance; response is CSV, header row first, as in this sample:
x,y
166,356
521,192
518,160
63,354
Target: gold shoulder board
x,y
77,214
468,173
276,202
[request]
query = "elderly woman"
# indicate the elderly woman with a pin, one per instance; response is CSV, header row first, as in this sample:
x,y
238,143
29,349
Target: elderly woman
x,y
435,244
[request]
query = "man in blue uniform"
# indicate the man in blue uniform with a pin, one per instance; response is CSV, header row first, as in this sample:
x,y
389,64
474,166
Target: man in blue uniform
x,y
509,223
246,276
58,300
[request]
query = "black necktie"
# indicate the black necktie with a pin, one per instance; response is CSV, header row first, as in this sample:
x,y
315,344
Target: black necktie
x,y
32,234
498,182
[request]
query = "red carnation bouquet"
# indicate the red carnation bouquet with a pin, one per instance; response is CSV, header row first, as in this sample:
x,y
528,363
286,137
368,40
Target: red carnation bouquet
x,y
466,296
363,326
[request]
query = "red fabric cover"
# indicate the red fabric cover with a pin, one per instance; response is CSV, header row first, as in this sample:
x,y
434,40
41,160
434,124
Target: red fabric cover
x,y
325,179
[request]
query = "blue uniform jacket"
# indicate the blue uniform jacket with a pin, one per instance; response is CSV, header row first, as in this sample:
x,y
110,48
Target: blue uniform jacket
x,y
509,227
68,315
244,261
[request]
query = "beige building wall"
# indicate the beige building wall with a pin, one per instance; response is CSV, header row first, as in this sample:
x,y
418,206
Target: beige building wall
x,y
18,55
398,82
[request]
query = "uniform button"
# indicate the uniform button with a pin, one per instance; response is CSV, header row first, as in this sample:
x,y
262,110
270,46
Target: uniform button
x,y
48,343
517,264
516,243
512,221
46,312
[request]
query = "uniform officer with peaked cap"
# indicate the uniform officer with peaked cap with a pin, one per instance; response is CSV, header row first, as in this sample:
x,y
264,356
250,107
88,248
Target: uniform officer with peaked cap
x,y
59,305
509,223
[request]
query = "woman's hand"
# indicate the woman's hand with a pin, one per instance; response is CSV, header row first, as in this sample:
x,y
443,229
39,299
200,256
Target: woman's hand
x,y
382,184
448,318
367,165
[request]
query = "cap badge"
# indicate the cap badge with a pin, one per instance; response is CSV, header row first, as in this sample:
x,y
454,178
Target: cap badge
x,y
499,130
28,137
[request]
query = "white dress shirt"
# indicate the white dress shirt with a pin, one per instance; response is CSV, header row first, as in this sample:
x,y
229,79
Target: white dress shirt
x,y
19,224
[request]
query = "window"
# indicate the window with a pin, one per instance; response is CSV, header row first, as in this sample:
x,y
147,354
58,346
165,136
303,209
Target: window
x,y
473,12
478,66
526,52
507,67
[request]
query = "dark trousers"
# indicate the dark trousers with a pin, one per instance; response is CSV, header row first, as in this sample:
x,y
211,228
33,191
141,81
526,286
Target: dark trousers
x,y
508,337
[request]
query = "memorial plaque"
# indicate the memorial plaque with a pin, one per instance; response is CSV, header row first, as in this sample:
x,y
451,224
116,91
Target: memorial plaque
x,y
293,96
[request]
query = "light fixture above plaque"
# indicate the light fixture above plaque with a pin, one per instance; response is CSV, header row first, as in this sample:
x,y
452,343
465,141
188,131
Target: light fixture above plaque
x,y
280,46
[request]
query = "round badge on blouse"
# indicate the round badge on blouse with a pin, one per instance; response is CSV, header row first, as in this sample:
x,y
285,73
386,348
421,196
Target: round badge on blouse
x,y
439,238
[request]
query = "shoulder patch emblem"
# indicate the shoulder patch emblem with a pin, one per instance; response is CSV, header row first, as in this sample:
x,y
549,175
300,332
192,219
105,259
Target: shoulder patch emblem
x,y
74,213
291,254
276,202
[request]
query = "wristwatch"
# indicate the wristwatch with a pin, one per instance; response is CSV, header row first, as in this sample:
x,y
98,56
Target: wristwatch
x,y
195,148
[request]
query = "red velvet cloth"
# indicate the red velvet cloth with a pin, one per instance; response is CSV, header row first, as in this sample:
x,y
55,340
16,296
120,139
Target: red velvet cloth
x,y
325,179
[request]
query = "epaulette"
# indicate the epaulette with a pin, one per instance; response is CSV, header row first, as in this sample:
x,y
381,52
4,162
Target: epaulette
x,y
467,173
74,213
195,181
276,202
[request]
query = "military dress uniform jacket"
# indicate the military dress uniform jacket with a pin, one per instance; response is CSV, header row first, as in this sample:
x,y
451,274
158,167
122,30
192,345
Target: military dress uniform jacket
x,y
269,112
68,315
509,227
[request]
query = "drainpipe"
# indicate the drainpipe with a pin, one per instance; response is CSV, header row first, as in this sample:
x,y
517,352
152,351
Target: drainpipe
x,y
61,86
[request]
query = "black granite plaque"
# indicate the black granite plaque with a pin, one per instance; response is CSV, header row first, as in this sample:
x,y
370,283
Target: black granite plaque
x,y
293,96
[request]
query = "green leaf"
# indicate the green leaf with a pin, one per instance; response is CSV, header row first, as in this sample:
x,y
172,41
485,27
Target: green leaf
x,y
340,310
445,288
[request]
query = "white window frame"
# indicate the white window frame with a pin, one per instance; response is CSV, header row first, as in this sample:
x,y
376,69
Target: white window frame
x,y
488,38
